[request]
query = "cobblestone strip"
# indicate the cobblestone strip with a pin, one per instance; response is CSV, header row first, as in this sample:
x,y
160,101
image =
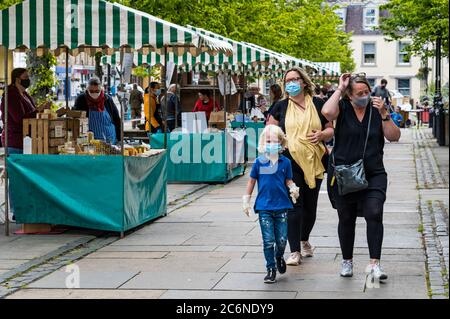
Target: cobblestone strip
x,y
429,175
434,217
435,238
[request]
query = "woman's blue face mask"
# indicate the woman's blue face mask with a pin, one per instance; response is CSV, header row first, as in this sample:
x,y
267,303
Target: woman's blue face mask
x,y
293,88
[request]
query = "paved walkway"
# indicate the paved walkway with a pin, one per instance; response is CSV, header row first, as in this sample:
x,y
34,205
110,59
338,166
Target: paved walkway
x,y
210,249
18,253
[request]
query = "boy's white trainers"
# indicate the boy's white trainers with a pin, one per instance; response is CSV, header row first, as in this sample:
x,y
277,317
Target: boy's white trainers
x,y
294,259
377,271
347,268
307,249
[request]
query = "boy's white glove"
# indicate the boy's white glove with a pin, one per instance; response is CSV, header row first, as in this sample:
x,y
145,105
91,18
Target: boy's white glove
x,y
294,192
246,205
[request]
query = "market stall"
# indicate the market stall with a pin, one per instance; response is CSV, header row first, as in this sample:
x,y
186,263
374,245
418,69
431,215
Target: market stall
x,y
203,157
98,185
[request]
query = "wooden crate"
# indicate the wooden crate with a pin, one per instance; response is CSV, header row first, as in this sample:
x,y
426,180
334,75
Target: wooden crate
x,y
78,126
46,134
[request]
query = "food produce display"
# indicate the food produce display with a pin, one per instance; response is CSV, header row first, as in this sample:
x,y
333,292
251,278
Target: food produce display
x,y
67,132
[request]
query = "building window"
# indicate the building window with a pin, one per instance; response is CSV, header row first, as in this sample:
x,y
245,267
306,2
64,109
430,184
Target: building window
x,y
370,18
403,56
369,51
404,86
341,13
371,82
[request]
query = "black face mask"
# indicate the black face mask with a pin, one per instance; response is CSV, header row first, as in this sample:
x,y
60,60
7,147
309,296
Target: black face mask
x,y
25,83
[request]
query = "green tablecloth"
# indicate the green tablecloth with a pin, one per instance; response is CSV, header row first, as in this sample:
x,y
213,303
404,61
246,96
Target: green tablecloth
x,y
112,193
200,157
253,130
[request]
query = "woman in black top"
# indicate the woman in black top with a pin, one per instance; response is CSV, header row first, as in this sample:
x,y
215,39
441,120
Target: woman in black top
x,y
352,119
276,93
300,117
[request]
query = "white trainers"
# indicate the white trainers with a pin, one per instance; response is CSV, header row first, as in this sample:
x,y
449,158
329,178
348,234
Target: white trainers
x,y
294,259
347,268
307,249
377,271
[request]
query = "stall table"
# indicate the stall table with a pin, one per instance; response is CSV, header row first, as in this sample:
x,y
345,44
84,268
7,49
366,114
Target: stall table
x,y
202,157
111,193
253,130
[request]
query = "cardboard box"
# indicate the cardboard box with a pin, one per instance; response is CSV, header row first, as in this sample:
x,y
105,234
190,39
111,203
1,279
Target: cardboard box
x,y
36,228
76,114
217,120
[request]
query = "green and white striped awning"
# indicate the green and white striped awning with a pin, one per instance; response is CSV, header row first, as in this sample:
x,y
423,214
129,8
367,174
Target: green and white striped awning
x,y
202,63
93,25
332,69
244,54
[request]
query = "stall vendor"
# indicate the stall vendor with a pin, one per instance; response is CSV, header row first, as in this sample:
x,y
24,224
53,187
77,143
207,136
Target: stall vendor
x,y
104,119
205,103
153,107
20,106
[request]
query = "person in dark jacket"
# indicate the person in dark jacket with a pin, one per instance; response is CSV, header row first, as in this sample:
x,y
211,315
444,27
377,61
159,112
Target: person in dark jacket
x,y
20,106
104,119
173,110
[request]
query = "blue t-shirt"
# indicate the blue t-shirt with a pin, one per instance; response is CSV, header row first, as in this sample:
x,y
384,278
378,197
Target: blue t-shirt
x,y
272,191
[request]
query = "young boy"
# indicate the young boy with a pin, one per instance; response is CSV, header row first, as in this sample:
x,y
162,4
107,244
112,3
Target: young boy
x,y
273,172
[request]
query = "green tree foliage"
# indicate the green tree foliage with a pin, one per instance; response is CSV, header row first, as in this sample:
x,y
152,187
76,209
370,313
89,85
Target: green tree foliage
x,y
7,3
305,29
42,76
422,21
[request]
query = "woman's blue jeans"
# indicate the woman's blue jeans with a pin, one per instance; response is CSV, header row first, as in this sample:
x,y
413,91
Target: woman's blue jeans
x,y
273,225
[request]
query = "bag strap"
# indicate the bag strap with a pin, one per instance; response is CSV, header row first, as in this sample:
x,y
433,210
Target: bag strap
x,y
368,129
367,135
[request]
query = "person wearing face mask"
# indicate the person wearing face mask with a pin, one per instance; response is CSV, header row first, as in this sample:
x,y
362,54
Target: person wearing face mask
x,y
273,172
104,118
153,107
307,130
383,92
352,129
20,106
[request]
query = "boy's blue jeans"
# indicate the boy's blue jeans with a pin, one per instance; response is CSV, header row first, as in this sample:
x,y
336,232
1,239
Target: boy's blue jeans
x,y
273,225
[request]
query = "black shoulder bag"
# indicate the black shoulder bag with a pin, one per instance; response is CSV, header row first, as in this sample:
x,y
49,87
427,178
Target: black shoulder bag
x,y
352,178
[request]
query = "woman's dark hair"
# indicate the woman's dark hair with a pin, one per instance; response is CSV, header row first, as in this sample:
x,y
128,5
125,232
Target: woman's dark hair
x,y
353,80
205,92
16,74
277,92
324,90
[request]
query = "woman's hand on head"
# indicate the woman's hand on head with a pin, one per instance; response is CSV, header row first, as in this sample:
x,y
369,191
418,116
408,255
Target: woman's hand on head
x,y
344,80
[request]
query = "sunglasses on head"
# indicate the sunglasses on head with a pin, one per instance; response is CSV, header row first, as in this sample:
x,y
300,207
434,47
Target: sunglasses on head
x,y
358,75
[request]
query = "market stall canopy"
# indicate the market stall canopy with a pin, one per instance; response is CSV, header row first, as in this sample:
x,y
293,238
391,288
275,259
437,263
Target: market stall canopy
x,y
96,25
289,60
244,54
330,68
201,63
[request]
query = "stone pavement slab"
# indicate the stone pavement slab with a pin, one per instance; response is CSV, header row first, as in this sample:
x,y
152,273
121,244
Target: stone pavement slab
x,y
86,294
174,280
218,294
88,279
